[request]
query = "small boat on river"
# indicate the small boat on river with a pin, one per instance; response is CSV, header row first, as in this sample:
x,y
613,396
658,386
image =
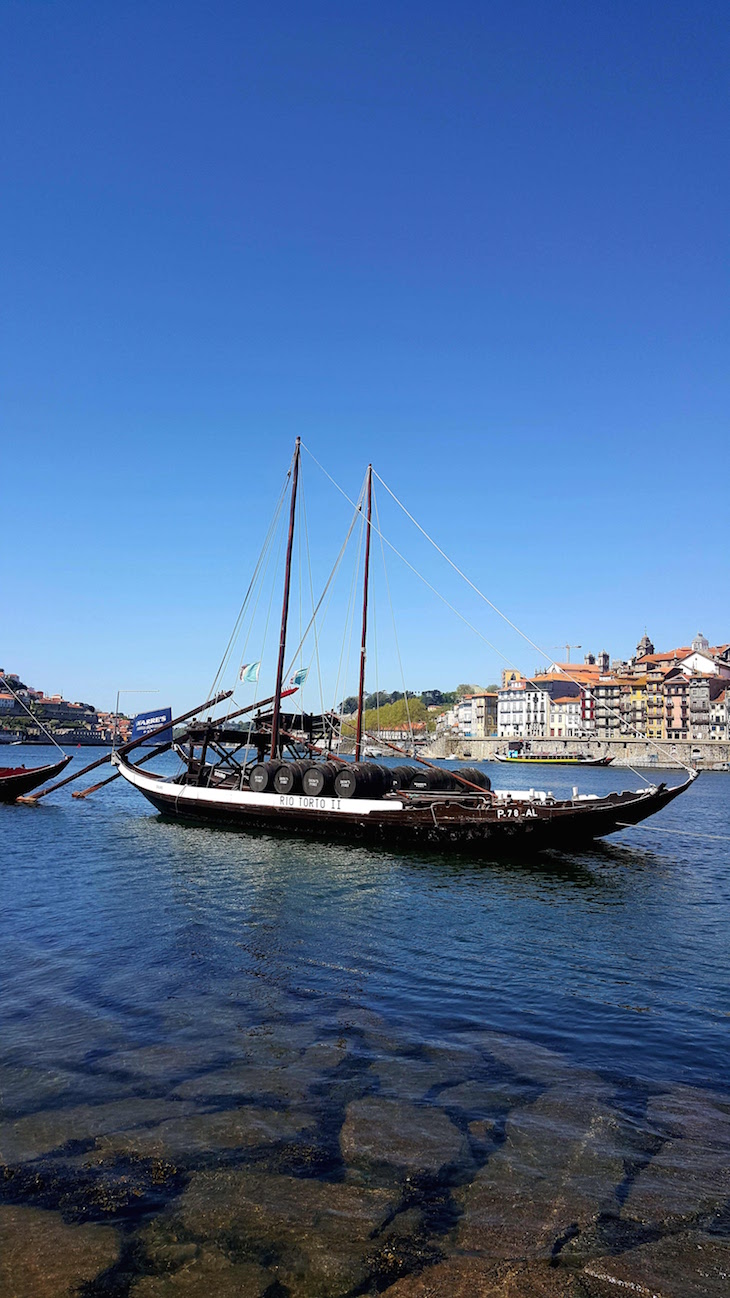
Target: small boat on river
x,y
283,774
16,781
518,752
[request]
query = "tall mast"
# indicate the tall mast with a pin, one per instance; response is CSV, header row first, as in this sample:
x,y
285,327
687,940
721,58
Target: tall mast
x,y
366,576
285,606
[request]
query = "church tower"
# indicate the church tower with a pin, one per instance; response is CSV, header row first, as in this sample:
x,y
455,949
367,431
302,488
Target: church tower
x,y
644,646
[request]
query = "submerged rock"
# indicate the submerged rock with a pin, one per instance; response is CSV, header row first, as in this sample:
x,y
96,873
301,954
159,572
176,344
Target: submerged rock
x,y
690,1175
454,1062
206,1274
314,1236
403,1246
24,1090
189,1136
536,1062
484,1099
155,1063
40,1133
556,1171
43,1257
469,1277
290,1080
680,1266
415,1138
405,1078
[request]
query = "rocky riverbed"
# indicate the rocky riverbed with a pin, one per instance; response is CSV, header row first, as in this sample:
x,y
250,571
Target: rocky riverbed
x,y
240,1066
314,1166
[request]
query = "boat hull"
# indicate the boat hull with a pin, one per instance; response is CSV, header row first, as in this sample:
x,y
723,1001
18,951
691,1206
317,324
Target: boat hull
x,y
16,783
472,825
555,761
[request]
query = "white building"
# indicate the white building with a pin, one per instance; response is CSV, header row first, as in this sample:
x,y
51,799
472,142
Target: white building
x,y
720,715
566,719
522,711
465,718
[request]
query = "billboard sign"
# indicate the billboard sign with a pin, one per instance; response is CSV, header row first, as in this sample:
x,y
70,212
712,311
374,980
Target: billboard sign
x,y
146,722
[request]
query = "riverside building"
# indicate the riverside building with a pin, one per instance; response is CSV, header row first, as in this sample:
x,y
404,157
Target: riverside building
x,y
683,693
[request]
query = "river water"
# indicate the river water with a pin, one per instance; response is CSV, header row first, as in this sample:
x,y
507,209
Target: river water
x,y
233,1064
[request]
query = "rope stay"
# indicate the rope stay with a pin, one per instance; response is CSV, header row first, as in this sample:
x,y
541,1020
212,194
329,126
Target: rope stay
x,y
395,632
311,597
328,587
237,624
346,647
659,747
32,715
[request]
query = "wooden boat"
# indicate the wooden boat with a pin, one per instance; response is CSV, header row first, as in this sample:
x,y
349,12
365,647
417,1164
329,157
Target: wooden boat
x,y
305,788
16,781
481,823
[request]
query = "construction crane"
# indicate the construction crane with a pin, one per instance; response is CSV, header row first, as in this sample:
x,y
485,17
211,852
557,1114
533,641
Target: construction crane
x,y
568,648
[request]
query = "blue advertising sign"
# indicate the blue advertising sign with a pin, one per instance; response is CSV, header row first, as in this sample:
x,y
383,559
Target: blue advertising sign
x,y
145,722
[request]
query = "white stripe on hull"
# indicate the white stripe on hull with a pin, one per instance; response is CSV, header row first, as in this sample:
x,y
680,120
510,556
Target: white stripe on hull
x,y
245,798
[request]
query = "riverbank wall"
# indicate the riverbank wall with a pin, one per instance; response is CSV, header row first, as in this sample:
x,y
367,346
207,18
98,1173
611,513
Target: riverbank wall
x,y
703,755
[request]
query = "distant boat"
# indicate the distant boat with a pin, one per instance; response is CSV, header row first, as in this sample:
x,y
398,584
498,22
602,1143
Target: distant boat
x,y
553,759
16,781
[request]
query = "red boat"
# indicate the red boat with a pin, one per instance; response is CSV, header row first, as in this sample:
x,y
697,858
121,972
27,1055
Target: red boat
x,y
15,781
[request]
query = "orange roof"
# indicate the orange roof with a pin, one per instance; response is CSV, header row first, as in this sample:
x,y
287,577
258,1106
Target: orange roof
x,y
559,676
570,698
665,657
683,652
576,669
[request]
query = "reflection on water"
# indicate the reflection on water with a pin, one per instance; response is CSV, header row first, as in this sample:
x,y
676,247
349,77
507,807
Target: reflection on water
x,y
244,1065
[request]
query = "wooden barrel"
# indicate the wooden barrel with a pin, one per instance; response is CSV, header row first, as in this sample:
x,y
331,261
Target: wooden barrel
x,y
320,778
363,780
402,775
474,776
430,780
261,776
288,778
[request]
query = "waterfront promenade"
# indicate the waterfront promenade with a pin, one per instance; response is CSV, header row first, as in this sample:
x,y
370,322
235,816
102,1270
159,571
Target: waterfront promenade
x,y
703,755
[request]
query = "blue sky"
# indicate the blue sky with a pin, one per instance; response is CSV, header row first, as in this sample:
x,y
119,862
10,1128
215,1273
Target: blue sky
x,y
483,245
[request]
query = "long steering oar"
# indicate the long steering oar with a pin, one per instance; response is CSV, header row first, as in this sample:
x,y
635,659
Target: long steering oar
x,y
163,748
84,793
32,798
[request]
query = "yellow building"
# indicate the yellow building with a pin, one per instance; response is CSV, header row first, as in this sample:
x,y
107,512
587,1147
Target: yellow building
x,y
655,703
636,717
510,676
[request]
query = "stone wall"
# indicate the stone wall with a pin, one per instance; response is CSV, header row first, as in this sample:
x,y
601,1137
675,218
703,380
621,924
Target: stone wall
x,y
706,755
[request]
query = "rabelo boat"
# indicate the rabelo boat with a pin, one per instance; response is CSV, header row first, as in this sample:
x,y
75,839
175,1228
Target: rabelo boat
x,y
282,775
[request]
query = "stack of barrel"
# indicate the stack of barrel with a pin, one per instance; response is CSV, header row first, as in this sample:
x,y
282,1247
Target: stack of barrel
x,y
360,779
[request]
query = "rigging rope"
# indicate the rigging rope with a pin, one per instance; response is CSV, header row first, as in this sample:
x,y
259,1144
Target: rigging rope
x,y
313,623
32,715
659,748
395,631
349,620
237,623
265,634
330,579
